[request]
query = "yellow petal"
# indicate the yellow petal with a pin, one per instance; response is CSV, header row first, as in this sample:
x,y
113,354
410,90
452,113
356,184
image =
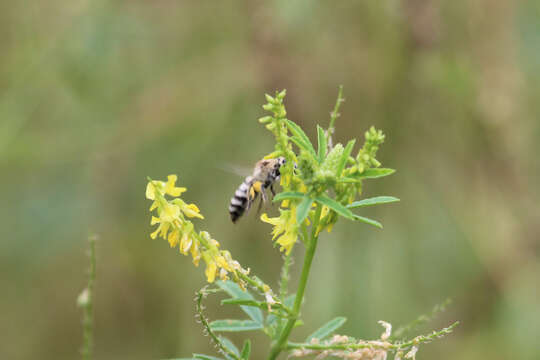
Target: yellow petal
x,y
191,211
210,271
195,253
287,241
170,213
223,263
154,234
154,220
153,187
185,243
164,227
174,238
266,219
170,187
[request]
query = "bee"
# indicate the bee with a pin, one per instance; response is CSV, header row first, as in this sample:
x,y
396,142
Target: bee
x,y
265,173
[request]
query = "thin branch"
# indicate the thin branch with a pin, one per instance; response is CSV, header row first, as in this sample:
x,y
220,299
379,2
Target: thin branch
x,y
198,303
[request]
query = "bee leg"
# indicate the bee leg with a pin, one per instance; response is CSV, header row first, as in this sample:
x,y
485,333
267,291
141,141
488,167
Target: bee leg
x,y
272,190
260,206
263,194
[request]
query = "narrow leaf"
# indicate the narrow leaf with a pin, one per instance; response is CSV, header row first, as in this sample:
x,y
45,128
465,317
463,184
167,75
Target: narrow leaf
x,y
303,209
242,302
374,173
368,221
344,157
288,195
246,350
298,132
301,144
235,325
334,205
236,292
327,329
205,357
229,344
373,201
321,143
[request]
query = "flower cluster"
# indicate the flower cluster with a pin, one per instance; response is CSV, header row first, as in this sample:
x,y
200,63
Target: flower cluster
x,y
310,177
174,225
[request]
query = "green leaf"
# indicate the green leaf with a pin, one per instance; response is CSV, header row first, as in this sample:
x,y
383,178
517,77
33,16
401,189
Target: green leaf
x,y
289,301
236,292
229,344
253,303
327,329
302,145
334,205
303,209
374,173
246,350
344,157
205,357
321,143
235,325
373,201
368,221
289,195
301,135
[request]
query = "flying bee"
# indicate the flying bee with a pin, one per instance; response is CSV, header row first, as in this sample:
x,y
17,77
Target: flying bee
x,y
265,173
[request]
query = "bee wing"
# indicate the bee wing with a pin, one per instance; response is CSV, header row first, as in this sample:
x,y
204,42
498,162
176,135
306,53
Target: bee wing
x,y
241,171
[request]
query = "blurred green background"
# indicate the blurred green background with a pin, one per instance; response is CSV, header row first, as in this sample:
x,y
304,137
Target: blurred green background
x,y
97,95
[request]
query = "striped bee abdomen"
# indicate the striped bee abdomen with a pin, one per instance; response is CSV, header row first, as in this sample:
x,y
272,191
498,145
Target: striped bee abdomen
x,y
240,201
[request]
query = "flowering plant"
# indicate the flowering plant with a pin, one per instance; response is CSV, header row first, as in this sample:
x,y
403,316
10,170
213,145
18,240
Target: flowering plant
x,y
318,188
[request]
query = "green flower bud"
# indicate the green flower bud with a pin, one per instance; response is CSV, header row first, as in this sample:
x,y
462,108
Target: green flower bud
x,y
265,119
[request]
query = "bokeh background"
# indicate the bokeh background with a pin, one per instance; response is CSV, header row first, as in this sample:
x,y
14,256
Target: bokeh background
x,y
97,95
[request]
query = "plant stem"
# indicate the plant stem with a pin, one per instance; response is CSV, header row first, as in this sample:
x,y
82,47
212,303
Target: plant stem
x,y
311,246
334,115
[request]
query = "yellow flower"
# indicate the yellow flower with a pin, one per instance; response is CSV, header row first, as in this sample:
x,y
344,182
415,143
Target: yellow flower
x,y
187,239
163,188
287,241
280,223
190,210
210,271
169,213
285,227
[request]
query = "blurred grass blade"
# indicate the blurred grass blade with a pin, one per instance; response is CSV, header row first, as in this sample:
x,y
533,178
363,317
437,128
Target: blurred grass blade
x,y
321,143
235,325
373,201
334,205
246,350
302,210
368,221
236,292
327,329
376,173
289,195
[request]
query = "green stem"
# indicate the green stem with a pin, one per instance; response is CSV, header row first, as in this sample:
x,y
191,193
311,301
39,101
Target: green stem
x,y
334,115
311,246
